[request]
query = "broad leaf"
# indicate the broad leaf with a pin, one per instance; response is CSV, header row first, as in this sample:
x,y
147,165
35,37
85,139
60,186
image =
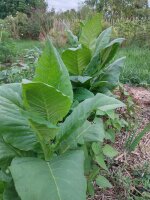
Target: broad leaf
x,y
6,152
80,94
49,104
45,101
96,132
103,40
76,59
109,51
100,161
89,132
96,148
13,125
73,39
62,178
102,182
90,31
109,103
109,79
52,71
109,151
68,131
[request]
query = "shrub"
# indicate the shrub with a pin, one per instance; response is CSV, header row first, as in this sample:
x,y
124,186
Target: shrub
x,y
23,27
7,48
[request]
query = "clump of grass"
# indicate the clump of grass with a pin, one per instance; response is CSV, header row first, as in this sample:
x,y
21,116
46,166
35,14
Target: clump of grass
x,y
137,66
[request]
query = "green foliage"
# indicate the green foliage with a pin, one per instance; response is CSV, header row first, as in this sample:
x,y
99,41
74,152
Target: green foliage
x,y
135,186
42,139
93,55
136,31
22,26
133,73
18,71
133,140
103,182
10,7
7,48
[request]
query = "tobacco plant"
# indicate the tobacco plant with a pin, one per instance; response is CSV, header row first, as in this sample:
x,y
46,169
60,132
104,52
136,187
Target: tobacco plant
x,y
45,146
90,61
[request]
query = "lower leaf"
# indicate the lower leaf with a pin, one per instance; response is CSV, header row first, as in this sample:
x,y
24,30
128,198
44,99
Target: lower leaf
x,y
62,178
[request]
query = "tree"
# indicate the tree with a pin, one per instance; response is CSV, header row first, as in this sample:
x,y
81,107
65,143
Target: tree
x,y
117,8
10,7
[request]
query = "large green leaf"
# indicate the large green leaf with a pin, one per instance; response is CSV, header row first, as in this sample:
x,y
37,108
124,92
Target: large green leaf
x,y
81,113
109,79
90,31
103,40
6,152
96,132
52,71
45,101
89,132
109,51
62,178
13,125
76,59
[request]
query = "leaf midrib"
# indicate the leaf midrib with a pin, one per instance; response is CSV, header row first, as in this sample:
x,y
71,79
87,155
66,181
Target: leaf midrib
x,y
51,173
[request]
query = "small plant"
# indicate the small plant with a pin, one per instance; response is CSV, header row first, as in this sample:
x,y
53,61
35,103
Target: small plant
x,y
134,139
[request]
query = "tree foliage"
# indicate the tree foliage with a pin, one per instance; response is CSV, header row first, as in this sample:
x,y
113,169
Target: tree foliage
x,y
10,7
118,7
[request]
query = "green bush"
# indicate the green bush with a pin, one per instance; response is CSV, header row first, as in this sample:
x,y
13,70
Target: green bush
x,y
136,31
7,48
22,27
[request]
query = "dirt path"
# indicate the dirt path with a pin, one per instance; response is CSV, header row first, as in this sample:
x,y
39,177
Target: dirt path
x,y
141,98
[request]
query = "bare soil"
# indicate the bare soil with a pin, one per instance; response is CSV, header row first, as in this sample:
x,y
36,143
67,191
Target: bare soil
x,y
128,162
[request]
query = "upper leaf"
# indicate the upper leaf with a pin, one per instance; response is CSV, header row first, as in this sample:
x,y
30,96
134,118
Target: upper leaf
x,y
109,51
76,59
103,40
109,79
62,178
90,31
52,71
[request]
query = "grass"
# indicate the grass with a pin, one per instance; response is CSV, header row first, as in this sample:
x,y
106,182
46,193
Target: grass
x,y
137,66
22,45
